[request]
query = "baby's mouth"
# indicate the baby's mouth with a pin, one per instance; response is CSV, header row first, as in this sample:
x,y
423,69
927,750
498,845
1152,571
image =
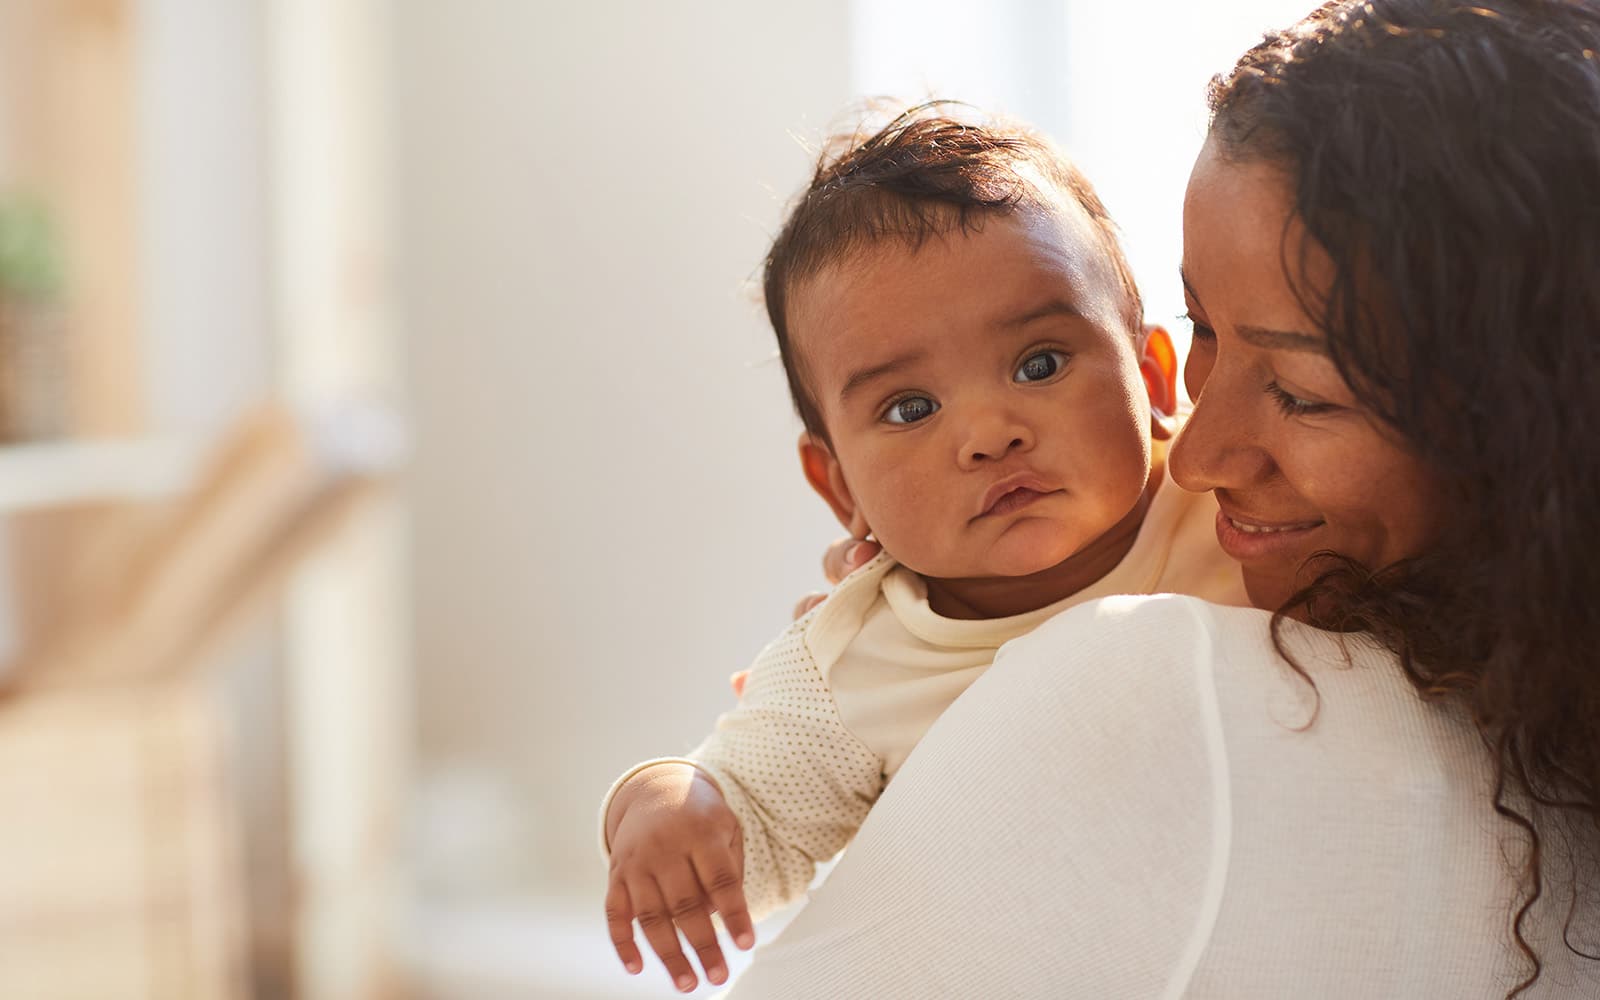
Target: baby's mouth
x,y
1012,493
1015,500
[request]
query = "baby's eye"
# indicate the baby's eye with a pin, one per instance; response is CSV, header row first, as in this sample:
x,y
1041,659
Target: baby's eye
x,y
910,410
1038,367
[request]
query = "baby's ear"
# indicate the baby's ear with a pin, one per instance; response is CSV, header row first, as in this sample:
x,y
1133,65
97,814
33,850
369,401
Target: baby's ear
x,y
1158,363
826,476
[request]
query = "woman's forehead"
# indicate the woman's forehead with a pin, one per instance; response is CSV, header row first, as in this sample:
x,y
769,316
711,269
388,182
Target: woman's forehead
x,y
1244,248
1247,198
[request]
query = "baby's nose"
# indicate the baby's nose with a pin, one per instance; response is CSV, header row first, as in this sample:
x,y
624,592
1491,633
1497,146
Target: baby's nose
x,y
994,438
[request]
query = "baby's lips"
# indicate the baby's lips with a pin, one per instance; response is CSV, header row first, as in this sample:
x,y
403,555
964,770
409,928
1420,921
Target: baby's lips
x,y
1010,484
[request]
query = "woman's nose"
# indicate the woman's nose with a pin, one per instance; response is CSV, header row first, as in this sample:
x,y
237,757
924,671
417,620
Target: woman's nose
x,y
1215,449
994,435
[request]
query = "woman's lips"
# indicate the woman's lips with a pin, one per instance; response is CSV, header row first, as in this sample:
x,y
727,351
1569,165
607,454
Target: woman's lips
x,y
1251,539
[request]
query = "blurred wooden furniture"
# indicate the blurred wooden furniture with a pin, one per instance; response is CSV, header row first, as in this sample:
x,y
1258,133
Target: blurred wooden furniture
x,y
118,877
67,136
115,878
119,862
127,795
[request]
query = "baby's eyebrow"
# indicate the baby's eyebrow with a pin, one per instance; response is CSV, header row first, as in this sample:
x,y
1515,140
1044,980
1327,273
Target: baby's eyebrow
x,y
862,376
1055,307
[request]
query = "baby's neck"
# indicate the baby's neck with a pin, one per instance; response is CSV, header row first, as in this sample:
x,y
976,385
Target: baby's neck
x,y
1003,596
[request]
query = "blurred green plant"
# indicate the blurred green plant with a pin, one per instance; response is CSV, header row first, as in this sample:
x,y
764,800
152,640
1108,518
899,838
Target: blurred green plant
x,y
30,257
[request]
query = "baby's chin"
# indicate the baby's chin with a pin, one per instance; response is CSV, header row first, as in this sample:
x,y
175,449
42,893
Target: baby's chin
x,y
1018,554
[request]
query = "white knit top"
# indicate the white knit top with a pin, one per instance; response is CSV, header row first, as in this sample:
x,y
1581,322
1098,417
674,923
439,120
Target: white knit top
x,y
834,704
1135,801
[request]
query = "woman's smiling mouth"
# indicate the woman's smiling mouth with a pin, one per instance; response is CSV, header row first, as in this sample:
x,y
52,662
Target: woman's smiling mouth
x,y
1251,539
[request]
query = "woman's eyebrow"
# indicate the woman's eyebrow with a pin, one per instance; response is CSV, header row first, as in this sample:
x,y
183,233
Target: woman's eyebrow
x,y
1282,340
1273,340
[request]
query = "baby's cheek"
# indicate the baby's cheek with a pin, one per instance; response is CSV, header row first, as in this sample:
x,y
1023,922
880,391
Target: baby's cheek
x,y
908,517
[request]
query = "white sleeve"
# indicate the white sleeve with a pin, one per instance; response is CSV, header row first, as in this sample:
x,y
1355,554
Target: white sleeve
x,y
799,781
1061,831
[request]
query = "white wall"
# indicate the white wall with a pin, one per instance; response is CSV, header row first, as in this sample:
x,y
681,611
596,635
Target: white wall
x,y
609,516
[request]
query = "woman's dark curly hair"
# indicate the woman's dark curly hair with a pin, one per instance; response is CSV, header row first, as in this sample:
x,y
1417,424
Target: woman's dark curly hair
x,y
1446,156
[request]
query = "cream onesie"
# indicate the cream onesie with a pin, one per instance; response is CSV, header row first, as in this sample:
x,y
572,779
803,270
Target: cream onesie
x,y
833,706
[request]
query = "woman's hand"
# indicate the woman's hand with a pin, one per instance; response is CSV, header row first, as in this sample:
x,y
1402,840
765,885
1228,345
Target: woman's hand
x,y
677,856
843,557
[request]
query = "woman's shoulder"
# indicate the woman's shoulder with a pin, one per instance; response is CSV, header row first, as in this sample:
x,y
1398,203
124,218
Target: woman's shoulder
x,y
1139,619
1231,644
1141,640
1313,761
1284,698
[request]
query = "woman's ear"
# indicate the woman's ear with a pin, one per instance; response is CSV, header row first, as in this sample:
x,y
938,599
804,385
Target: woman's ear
x,y
1158,363
826,476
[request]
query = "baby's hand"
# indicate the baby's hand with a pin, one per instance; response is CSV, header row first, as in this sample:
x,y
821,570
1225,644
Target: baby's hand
x,y
677,856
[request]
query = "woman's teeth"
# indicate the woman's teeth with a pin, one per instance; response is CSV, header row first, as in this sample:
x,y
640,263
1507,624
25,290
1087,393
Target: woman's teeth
x,y
1258,529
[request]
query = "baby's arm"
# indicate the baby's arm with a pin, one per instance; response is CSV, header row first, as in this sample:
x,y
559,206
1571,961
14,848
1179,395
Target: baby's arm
x,y
800,782
796,782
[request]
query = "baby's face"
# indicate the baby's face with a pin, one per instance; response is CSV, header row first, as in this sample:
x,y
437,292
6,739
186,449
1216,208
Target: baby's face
x,y
982,393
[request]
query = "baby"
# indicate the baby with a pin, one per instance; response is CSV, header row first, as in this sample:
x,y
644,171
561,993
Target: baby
x,y
966,348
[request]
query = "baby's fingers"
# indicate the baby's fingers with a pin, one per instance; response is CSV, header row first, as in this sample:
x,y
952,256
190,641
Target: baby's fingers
x,y
656,922
688,905
619,921
721,872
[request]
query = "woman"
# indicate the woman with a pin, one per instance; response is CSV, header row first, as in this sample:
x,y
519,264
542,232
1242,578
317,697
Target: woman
x,y
1386,783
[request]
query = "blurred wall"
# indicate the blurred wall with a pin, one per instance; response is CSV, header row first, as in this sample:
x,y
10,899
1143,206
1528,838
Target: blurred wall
x,y
203,200
609,517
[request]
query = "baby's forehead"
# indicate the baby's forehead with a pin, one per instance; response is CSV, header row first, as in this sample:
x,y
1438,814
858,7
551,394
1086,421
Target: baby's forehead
x,y
1037,250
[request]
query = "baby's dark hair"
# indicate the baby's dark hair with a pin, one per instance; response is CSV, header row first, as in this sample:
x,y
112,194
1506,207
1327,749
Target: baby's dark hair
x,y
923,175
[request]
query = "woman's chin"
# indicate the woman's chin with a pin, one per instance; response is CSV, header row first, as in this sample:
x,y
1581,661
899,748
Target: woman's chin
x,y
1269,588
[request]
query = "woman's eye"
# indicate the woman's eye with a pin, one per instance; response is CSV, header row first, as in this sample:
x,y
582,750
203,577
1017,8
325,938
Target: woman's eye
x,y
1293,405
1200,331
910,410
1038,367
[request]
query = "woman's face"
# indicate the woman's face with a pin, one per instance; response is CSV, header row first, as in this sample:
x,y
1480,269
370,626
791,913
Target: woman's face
x,y
1297,465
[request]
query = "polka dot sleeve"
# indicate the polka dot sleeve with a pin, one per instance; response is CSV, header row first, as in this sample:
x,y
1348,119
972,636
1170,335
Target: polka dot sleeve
x,y
798,780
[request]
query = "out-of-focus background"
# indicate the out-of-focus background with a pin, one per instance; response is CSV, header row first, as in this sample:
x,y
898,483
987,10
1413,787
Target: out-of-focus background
x,y
392,447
